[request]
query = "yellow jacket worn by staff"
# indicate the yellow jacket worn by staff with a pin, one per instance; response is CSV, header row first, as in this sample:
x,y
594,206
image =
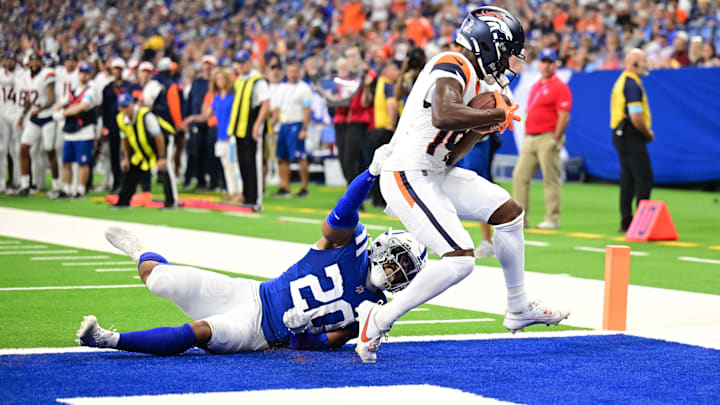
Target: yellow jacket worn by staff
x,y
627,83
243,116
143,147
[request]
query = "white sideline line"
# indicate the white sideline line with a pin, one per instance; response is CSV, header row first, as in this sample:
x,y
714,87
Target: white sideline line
x,y
38,252
419,309
443,321
601,250
70,257
9,242
698,260
23,247
115,269
72,287
536,243
243,214
96,263
320,221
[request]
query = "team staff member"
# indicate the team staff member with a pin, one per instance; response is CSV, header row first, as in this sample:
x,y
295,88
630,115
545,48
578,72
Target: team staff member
x,y
548,114
630,122
250,110
143,149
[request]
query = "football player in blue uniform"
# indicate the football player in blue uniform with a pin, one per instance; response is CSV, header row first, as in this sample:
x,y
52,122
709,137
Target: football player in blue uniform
x,y
310,306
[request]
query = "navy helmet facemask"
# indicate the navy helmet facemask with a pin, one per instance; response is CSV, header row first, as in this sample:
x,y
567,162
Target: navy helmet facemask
x,y
493,35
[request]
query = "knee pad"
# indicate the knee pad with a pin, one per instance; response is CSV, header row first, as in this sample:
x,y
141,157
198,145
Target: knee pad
x,y
460,266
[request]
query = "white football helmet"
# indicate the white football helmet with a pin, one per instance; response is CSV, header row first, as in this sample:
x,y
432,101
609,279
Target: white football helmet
x,y
398,248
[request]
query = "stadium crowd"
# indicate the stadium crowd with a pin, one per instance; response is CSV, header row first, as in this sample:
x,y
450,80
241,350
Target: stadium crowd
x,y
180,42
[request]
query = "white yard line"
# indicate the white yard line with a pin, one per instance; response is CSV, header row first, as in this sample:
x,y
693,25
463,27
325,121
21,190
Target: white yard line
x,y
72,287
70,257
536,243
242,214
419,309
601,250
110,270
96,263
20,247
651,310
9,242
698,260
443,321
38,252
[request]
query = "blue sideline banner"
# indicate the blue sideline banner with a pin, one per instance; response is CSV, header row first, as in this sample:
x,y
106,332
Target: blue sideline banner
x,y
685,107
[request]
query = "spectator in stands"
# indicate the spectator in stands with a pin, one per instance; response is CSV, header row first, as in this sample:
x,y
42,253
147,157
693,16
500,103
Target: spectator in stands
x,y
220,109
250,110
695,50
294,112
709,56
548,114
630,123
680,57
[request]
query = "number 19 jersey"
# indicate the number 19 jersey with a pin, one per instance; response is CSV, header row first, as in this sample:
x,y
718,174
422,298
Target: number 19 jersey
x,y
327,284
417,144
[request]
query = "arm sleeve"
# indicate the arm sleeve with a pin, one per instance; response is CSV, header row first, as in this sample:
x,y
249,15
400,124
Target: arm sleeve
x,y
345,215
389,88
308,341
151,124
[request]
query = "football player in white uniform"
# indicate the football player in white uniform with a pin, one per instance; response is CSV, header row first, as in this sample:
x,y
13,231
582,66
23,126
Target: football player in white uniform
x,y
37,95
9,113
431,197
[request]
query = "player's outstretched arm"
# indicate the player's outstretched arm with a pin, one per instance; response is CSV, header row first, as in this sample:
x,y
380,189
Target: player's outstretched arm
x,y
340,224
324,341
449,113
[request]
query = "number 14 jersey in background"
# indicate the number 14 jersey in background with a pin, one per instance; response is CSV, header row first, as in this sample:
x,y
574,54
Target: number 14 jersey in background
x,y
326,284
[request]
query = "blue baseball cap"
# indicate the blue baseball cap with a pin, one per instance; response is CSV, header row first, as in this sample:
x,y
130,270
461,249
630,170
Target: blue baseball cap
x,y
548,54
85,67
242,56
124,99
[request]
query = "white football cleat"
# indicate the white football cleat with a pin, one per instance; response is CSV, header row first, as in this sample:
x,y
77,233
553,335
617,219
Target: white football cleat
x,y
548,225
92,335
535,314
484,249
370,334
126,241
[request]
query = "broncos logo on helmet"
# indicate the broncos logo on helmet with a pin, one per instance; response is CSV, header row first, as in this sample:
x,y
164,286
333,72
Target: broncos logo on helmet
x,y
493,35
395,259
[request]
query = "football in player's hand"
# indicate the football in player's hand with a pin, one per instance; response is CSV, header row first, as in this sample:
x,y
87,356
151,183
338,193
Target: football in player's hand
x,y
484,101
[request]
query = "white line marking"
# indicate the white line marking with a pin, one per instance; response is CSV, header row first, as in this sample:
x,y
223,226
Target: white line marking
x,y
419,309
23,247
70,257
96,263
115,269
242,214
136,277
196,210
9,242
72,287
39,252
320,221
444,321
698,260
601,250
536,243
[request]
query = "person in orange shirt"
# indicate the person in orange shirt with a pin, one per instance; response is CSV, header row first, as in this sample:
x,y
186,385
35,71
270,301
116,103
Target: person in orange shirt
x,y
419,28
353,18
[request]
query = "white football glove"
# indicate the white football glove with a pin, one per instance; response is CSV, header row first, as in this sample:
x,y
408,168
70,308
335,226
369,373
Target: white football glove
x,y
379,158
58,115
296,320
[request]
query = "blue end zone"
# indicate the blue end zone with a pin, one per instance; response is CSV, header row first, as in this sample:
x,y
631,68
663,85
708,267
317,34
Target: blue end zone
x,y
614,368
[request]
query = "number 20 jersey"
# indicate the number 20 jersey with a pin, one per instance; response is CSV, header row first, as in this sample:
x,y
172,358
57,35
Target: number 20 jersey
x,y
417,144
326,284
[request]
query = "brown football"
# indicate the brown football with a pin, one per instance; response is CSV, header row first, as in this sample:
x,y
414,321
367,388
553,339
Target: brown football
x,y
484,101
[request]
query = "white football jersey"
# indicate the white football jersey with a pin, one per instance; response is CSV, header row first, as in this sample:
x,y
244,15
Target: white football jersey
x,y
417,144
9,89
34,89
65,83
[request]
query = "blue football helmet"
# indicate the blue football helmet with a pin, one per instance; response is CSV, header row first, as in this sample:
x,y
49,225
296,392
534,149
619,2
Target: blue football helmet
x,y
493,35
395,259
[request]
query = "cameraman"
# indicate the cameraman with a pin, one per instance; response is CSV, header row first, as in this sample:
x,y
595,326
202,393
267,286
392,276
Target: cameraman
x,y
411,68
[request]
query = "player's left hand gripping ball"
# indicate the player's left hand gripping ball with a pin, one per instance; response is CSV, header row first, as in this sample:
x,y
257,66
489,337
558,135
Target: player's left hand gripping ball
x,y
296,320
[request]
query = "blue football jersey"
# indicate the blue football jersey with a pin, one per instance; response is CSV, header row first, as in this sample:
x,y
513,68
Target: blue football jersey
x,y
327,284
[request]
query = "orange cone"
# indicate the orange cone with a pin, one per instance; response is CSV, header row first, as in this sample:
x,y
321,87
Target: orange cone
x,y
652,221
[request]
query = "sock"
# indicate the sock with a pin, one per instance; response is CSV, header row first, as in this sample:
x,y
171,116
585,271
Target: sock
x,y
81,189
344,215
25,181
509,244
66,188
56,184
159,341
151,256
435,278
